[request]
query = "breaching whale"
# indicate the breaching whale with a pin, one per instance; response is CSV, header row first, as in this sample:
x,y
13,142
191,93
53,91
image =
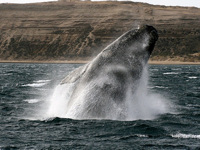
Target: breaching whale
x,y
102,88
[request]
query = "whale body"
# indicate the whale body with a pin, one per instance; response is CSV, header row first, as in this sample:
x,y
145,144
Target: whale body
x,y
104,87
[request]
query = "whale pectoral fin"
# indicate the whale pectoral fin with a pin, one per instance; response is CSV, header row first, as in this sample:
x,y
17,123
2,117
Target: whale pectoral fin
x,y
74,75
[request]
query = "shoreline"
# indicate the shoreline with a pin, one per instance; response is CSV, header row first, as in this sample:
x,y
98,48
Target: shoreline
x,y
172,63
84,62
46,62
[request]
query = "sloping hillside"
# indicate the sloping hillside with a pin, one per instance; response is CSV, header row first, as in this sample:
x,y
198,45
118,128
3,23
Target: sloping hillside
x,y
79,30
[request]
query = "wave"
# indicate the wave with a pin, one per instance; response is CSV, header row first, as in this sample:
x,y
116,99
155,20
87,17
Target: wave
x,y
171,73
192,77
159,87
142,135
42,81
38,83
35,84
193,105
31,101
186,136
154,69
176,69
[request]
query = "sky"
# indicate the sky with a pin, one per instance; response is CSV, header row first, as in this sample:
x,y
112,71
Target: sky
x,y
195,3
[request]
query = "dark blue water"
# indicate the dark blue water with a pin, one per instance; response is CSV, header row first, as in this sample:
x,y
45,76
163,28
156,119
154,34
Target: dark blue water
x,y
25,87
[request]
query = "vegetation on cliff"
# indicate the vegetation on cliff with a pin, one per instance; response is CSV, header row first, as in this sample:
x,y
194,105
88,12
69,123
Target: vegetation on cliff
x,y
79,30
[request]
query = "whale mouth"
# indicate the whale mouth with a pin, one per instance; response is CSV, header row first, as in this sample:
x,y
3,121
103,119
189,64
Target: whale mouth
x,y
153,37
150,31
153,32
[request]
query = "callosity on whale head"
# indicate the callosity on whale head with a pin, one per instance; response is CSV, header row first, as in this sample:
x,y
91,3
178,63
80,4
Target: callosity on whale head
x,y
103,87
135,44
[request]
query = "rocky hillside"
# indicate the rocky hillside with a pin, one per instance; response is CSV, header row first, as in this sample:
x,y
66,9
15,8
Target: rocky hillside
x,y
79,30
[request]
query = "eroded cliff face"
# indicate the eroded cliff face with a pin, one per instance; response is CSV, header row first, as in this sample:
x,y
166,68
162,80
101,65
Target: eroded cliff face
x,y
80,30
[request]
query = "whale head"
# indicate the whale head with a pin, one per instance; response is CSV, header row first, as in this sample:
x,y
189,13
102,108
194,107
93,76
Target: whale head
x,y
136,44
145,37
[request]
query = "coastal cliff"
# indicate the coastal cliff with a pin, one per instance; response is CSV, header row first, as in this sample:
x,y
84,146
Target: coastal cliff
x,y
80,30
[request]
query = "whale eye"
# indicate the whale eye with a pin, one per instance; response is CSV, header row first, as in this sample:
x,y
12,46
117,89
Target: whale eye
x,y
107,86
119,74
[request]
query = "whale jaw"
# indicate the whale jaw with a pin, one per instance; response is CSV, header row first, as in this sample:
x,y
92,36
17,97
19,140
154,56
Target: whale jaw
x,y
133,42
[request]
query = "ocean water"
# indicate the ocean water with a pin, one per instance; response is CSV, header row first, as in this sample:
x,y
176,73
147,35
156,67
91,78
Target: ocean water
x,y
25,90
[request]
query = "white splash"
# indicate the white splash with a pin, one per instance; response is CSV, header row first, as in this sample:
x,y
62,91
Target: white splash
x,y
171,73
144,105
142,135
42,81
160,87
38,83
31,101
186,136
58,102
192,77
140,105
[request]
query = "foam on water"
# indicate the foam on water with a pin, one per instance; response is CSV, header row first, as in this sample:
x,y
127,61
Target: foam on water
x,y
161,87
38,83
142,135
171,73
141,104
185,136
32,100
192,77
42,81
35,84
146,105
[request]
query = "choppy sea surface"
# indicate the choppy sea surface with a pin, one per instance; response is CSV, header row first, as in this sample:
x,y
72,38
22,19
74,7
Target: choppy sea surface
x,y
25,88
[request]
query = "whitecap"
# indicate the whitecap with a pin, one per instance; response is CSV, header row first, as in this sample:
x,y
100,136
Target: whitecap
x,y
35,84
193,105
31,101
38,83
42,81
160,87
176,69
142,135
192,77
186,136
170,73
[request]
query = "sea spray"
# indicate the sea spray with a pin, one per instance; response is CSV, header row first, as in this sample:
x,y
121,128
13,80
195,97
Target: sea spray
x,y
140,104
58,102
169,131
143,104
113,85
